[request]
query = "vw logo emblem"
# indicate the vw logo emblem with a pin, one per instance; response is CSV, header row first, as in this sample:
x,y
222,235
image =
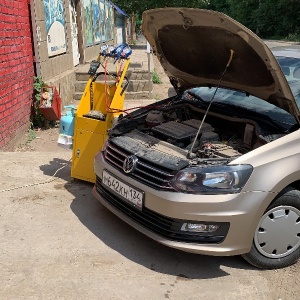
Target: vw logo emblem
x,y
129,163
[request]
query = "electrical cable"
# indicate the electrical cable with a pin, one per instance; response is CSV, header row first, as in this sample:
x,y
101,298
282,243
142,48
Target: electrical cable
x,y
36,183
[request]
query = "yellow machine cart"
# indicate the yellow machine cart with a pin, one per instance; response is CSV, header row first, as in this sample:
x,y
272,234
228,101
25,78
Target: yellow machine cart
x,y
100,104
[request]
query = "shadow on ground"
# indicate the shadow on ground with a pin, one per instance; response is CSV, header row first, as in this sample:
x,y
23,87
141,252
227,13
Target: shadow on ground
x,y
130,243
59,168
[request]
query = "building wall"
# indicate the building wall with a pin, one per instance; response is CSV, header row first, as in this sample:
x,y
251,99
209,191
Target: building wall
x,y
57,70
16,71
24,54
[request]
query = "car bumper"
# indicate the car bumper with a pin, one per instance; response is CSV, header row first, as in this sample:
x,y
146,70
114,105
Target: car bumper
x,y
237,215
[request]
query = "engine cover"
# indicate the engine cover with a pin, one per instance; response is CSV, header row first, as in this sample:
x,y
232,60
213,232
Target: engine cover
x,y
176,131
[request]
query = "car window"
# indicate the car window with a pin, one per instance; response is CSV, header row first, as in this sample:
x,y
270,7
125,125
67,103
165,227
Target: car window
x,y
291,69
295,87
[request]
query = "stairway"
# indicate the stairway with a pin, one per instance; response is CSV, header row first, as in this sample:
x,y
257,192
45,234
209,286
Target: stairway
x,y
139,86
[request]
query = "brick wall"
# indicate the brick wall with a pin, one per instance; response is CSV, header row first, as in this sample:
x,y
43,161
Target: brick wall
x,y
16,70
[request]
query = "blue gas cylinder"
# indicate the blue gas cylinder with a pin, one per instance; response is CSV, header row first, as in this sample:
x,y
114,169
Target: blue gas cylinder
x,y
67,121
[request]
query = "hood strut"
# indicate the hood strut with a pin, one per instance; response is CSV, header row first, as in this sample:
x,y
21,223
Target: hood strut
x,y
190,153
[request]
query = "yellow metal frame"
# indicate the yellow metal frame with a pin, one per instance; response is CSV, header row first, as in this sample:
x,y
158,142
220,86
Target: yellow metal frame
x,y
90,134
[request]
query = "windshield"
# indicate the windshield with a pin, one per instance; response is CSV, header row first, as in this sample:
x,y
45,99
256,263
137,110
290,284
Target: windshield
x,y
241,100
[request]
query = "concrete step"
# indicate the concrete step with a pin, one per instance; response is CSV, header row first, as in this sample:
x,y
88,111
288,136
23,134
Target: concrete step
x,y
130,104
138,95
131,75
134,86
138,75
128,95
139,85
77,96
80,85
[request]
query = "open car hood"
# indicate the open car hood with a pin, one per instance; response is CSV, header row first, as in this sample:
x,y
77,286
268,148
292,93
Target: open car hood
x,y
194,46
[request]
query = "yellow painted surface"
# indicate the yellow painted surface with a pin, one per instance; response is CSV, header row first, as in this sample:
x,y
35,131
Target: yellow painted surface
x,y
90,134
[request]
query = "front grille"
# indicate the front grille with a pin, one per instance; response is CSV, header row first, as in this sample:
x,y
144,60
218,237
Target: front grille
x,y
147,172
161,225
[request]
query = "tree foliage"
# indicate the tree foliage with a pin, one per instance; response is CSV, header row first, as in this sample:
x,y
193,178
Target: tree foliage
x,y
268,18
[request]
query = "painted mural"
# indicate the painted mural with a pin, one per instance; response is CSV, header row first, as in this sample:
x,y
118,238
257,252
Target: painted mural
x,y
102,21
111,22
55,26
96,22
99,21
106,21
88,22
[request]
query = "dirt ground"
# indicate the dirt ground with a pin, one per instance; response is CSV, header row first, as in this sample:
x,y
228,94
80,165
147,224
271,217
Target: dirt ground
x,y
165,89
58,242
46,140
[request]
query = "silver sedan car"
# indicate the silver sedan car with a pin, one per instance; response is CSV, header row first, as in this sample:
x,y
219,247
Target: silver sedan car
x,y
214,170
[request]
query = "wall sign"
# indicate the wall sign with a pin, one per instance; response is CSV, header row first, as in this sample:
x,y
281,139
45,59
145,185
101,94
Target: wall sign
x,y
55,26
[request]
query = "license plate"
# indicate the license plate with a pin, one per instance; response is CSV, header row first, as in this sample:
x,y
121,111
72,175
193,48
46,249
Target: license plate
x,y
128,193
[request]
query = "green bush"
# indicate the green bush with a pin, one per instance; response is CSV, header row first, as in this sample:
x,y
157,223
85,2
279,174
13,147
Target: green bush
x,y
37,118
155,77
294,37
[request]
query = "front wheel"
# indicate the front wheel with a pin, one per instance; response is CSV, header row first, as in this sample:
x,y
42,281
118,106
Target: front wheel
x,y
276,242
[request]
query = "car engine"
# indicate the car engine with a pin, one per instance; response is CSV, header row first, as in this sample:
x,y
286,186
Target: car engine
x,y
180,127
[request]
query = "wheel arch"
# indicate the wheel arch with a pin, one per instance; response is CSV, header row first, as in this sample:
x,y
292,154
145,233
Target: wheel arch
x,y
288,199
294,185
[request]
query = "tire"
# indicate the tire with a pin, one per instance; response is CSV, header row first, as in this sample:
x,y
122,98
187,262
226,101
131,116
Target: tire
x,y
276,242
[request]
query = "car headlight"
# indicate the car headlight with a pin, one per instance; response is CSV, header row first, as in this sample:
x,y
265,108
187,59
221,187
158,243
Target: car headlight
x,y
212,180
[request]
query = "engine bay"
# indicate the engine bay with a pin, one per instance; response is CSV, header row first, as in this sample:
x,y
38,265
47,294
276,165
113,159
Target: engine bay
x,y
181,126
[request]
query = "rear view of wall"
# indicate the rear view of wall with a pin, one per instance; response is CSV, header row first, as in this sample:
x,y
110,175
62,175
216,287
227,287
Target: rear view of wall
x,y
16,70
